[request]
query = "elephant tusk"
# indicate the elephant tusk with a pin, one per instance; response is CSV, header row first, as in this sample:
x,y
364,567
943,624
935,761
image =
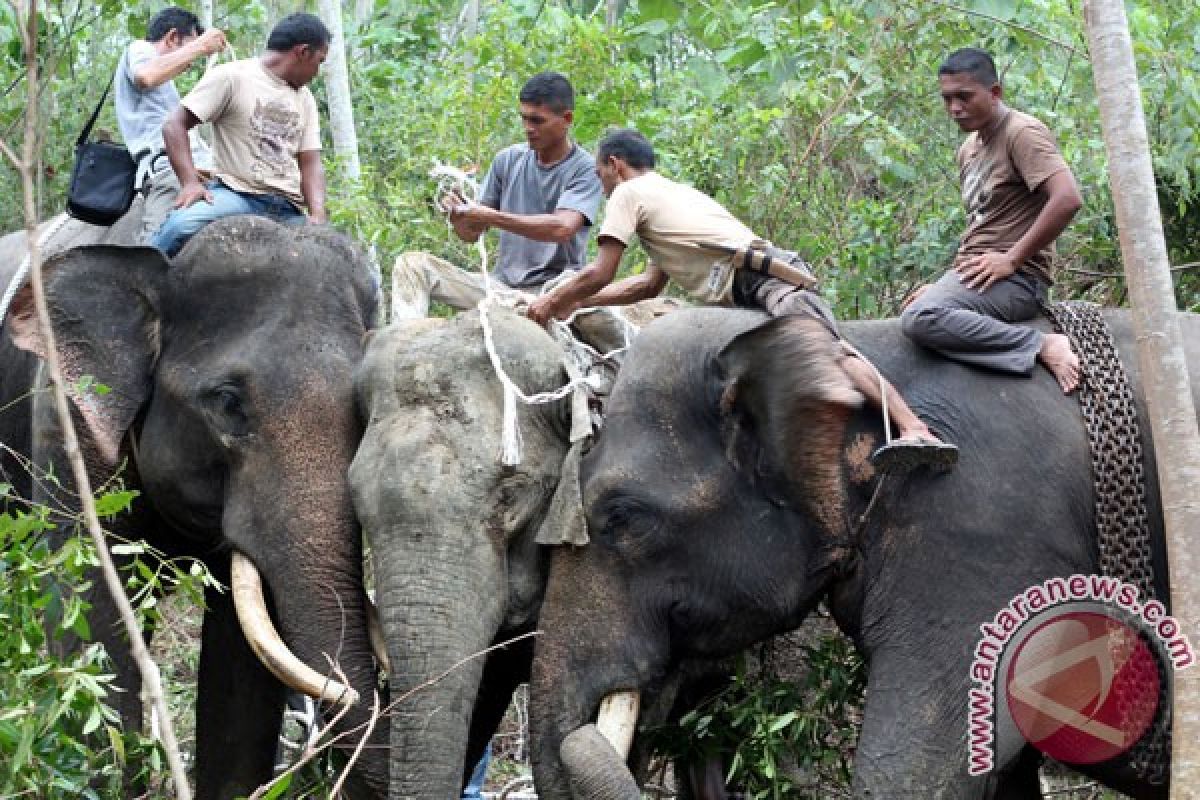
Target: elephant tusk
x,y
266,643
617,720
375,634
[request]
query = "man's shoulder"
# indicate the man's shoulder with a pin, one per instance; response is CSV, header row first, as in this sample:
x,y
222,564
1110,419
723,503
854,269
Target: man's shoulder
x,y
579,158
512,154
1020,122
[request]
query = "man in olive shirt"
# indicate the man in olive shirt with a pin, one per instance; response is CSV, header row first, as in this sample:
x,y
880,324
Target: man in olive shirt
x,y
1020,195
688,236
266,137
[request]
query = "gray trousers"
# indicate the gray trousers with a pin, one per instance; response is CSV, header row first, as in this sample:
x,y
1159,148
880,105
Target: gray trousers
x,y
160,189
965,325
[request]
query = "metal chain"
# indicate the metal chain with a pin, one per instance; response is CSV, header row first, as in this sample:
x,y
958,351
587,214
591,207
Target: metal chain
x,y
1122,522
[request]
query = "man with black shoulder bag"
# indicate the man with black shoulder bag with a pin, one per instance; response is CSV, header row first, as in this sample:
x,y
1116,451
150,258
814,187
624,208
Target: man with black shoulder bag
x,y
146,94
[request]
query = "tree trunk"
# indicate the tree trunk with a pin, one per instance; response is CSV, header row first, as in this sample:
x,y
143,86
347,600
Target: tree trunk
x,y
341,110
1160,349
612,11
206,13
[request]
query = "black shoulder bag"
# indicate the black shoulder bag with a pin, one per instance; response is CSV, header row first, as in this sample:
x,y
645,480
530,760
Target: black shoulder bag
x,y
102,180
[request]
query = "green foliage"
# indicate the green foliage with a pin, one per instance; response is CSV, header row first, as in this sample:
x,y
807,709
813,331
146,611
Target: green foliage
x,y
788,738
59,735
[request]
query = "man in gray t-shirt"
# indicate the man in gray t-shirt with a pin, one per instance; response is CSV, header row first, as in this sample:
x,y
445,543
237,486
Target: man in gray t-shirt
x,y
543,196
144,94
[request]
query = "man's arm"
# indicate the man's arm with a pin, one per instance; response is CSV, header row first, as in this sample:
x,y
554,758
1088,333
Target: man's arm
x,y
312,184
590,280
1062,202
558,226
179,153
633,289
160,69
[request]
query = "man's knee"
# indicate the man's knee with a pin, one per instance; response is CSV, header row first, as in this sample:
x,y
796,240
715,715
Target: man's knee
x,y
921,321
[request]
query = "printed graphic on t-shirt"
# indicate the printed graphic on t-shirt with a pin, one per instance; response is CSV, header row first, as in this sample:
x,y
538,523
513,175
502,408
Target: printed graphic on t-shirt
x,y
977,190
277,127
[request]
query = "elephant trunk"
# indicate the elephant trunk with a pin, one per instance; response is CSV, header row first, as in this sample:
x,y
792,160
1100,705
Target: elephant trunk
x,y
594,769
584,656
441,597
323,618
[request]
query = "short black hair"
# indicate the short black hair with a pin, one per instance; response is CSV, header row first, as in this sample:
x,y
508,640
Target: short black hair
x,y
628,145
974,62
549,89
173,19
298,28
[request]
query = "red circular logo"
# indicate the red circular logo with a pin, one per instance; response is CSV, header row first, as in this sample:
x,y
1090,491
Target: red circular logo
x,y
1083,687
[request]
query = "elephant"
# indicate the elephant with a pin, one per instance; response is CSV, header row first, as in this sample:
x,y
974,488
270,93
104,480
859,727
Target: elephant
x,y
230,406
454,534
731,490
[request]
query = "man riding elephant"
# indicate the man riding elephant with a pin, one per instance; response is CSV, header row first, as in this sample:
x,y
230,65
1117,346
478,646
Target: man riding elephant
x,y
145,94
1020,196
695,241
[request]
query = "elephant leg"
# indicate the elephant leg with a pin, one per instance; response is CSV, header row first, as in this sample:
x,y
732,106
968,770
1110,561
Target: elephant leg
x,y
912,743
504,671
239,708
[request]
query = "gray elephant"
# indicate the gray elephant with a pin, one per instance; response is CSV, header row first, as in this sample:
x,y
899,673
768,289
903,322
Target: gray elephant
x,y
731,490
231,407
454,533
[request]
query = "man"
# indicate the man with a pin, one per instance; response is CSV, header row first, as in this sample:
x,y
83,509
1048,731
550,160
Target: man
x,y
543,196
145,94
1020,195
685,233
265,135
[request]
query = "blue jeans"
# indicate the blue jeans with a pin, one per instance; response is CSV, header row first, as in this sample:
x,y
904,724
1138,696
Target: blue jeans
x,y
184,223
476,785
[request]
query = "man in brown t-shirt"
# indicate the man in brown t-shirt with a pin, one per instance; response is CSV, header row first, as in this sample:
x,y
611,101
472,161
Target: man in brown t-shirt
x,y
690,239
1019,195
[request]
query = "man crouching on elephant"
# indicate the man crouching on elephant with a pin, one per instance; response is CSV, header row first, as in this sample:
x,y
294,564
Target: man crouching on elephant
x,y
697,242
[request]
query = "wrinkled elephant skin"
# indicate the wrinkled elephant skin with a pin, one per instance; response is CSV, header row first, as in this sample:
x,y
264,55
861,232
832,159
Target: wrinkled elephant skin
x,y
724,498
232,407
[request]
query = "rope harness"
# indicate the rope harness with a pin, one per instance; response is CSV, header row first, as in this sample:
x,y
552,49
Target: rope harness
x,y
1122,522
23,271
579,357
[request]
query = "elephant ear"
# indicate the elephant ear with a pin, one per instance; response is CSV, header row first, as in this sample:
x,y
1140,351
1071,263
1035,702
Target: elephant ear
x,y
565,522
784,402
103,303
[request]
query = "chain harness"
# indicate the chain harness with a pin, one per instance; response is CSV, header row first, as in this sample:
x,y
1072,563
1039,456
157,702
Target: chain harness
x,y
1122,522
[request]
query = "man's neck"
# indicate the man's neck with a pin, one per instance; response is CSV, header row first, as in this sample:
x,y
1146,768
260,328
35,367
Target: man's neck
x,y
998,117
554,153
275,64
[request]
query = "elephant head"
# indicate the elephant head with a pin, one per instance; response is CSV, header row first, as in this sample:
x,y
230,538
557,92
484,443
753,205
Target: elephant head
x,y
452,530
231,399
722,437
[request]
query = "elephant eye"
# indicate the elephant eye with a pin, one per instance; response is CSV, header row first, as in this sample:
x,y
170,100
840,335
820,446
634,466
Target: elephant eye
x,y
230,414
627,518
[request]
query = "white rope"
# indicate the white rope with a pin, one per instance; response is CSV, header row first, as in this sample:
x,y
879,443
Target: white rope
x,y
451,178
23,270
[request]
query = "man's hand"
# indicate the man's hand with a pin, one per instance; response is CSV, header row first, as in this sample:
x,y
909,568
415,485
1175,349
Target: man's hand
x,y
191,192
211,41
546,308
981,271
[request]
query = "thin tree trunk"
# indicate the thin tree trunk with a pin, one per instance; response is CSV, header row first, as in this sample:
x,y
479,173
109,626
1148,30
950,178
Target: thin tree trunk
x,y
612,11
341,110
206,13
1160,350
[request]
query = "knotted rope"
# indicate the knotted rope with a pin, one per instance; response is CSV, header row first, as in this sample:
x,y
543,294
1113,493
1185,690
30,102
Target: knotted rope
x,y
453,179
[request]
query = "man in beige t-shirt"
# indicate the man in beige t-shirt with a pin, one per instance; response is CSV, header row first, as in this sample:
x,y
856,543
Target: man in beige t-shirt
x,y
689,238
1020,195
266,137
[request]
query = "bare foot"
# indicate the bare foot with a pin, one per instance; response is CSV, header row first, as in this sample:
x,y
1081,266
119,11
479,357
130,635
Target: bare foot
x,y
1058,357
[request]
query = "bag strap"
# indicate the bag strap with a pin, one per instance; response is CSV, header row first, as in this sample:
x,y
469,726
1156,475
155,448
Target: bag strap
x,y
87,129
